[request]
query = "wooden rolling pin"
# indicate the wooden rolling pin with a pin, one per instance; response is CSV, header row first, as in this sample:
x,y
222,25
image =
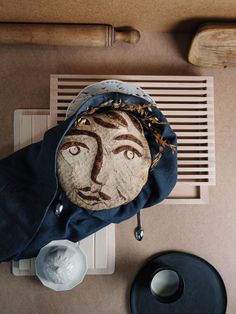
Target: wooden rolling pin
x,y
65,34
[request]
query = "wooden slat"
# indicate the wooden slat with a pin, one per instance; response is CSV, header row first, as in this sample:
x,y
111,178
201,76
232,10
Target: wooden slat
x,y
194,183
180,120
39,125
193,176
101,249
195,134
134,78
194,155
192,148
192,169
197,127
87,245
195,141
24,264
192,162
142,84
188,113
179,106
25,131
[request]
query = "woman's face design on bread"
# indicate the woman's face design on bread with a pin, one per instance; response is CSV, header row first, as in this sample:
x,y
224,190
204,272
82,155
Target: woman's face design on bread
x,y
104,160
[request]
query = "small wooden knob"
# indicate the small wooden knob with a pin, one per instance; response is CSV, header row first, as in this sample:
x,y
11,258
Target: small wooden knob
x,y
129,36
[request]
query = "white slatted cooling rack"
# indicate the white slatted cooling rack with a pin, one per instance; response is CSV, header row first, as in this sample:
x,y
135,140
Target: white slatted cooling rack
x,y
29,127
186,101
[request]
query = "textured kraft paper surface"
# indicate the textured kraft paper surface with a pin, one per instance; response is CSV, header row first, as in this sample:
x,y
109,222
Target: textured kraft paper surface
x,y
205,230
148,15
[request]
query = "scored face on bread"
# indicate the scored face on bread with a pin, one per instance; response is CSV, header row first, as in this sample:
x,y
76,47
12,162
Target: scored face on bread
x,y
104,160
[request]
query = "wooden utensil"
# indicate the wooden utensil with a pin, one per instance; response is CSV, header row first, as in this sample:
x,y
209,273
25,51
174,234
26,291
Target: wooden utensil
x,y
65,34
214,45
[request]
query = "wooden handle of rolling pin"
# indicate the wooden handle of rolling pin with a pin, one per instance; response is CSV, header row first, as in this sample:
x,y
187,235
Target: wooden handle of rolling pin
x,y
64,34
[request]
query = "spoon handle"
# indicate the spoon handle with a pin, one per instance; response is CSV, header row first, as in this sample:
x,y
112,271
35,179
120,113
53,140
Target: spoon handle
x,y
139,219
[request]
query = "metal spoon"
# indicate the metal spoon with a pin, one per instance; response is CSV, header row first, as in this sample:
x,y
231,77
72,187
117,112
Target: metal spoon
x,y
139,232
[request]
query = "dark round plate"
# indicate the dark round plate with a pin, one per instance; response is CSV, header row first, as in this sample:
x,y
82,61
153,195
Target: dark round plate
x,y
202,289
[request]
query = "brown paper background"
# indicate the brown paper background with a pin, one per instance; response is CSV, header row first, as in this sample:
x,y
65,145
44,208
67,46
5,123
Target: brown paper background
x,y
146,15
205,230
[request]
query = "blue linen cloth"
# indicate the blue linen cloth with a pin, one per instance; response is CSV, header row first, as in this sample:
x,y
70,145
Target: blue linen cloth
x,y
29,190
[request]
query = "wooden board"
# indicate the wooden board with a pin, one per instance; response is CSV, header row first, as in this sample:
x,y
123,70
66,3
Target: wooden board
x,y
29,127
214,45
188,104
